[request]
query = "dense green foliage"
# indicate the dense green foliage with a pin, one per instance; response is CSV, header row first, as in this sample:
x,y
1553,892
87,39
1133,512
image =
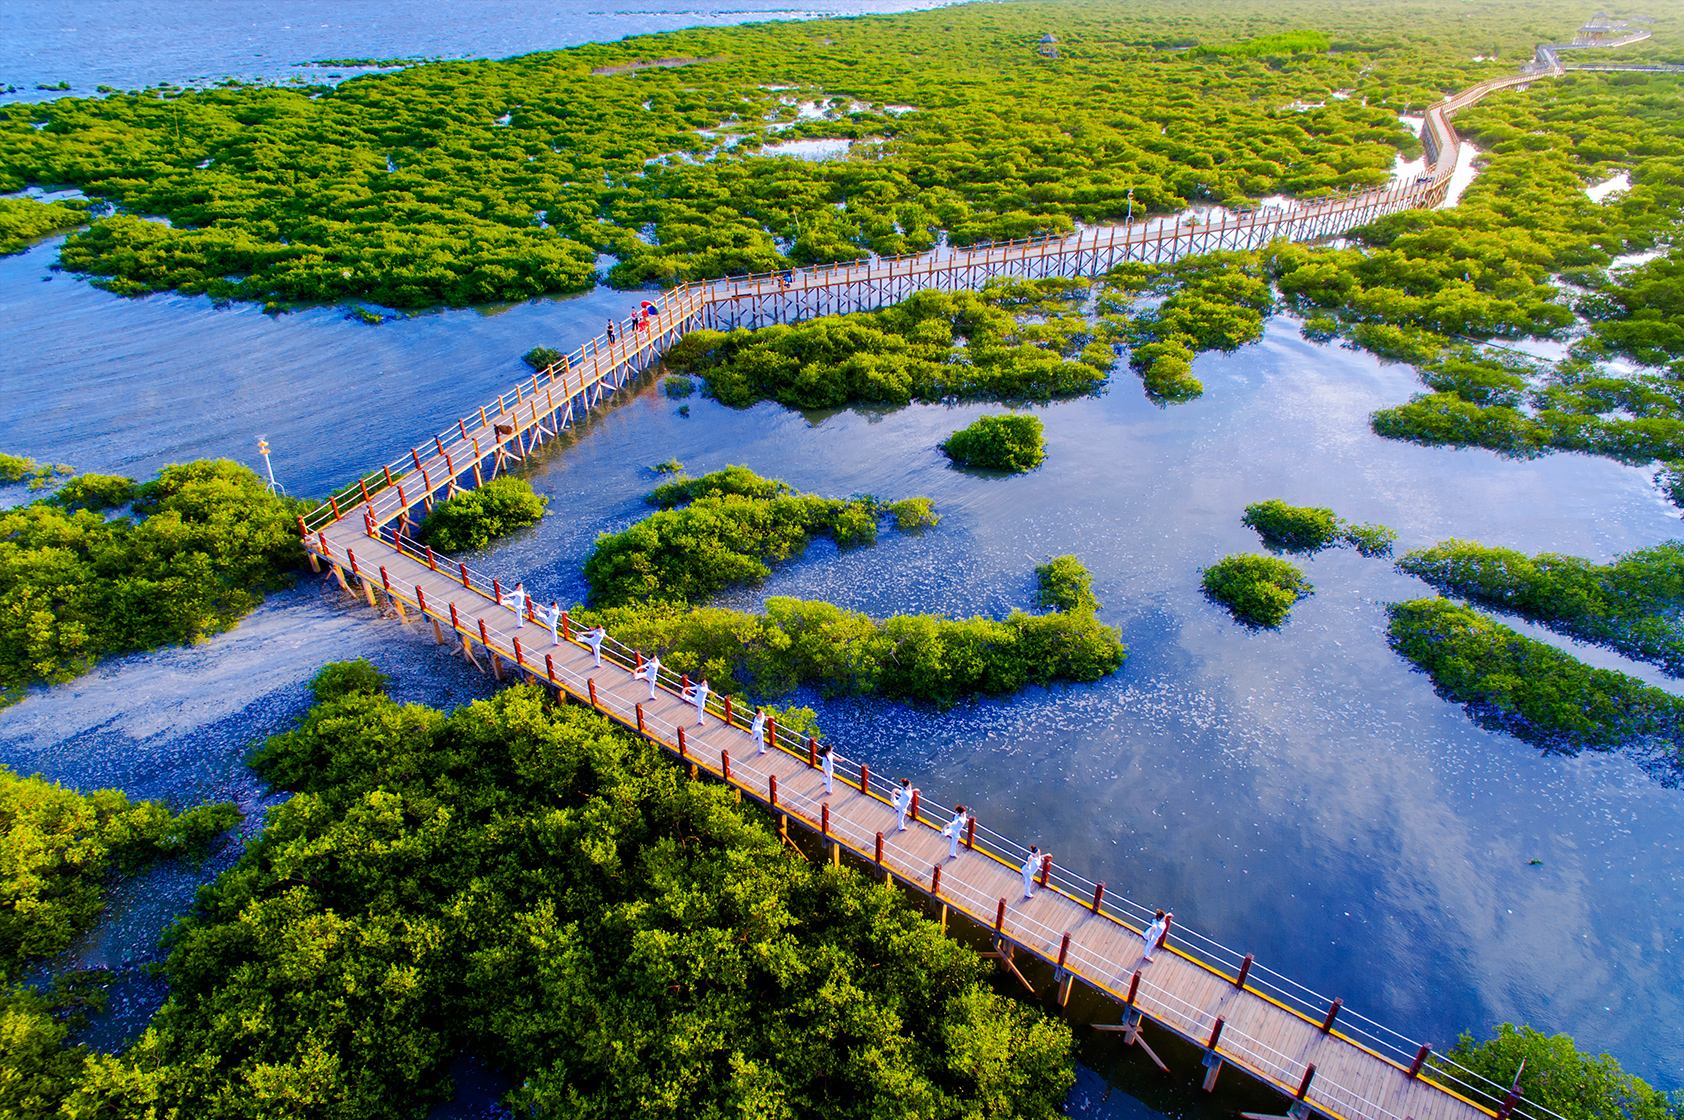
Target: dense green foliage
x,y
841,652
1012,442
24,221
1560,1077
204,542
1258,590
1633,605
1534,691
1014,340
1212,302
913,513
18,468
532,886
474,518
58,851
1064,584
461,181
724,528
1312,528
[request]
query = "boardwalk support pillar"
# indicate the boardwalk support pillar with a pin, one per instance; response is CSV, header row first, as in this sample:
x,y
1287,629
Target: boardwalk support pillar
x,y
1213,1060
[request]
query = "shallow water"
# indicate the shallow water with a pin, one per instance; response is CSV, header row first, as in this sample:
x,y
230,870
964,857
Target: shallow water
x,y
1303,795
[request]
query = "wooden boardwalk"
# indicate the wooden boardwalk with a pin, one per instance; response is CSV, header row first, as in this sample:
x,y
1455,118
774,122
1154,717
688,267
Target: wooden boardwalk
x,y
1323,1058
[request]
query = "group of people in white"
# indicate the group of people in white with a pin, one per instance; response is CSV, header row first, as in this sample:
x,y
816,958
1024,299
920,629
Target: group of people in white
x,y
904,797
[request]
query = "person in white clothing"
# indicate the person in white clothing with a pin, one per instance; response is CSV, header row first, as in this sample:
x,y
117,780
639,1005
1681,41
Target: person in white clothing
x,y
902,803
650,672
1153,933
552,619
516,601
828,768
697,694
955,830
1030,866
593,638
758,730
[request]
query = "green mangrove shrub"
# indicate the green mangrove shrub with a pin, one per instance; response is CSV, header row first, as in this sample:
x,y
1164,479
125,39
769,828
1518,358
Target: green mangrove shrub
x,y
1258,590
1012,443
1064,584
1287,528
474,518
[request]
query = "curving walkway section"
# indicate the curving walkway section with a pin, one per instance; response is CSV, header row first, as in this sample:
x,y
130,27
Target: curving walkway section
x,y
1323,1058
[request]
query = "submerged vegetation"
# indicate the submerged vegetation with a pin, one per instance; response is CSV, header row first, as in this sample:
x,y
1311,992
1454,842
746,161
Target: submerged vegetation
x,y
474,518
203,543
1634,605
724,528
1211,302
1257,590
24,221
531,886
1014,340
1513,683
1287,528
1012,443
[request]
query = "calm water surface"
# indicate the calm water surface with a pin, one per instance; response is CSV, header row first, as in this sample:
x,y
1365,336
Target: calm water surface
x,y
1303,795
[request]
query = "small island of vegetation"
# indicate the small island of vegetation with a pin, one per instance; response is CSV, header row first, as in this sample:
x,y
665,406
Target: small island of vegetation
x,y
1287,528
1012,443
1257,590
474,518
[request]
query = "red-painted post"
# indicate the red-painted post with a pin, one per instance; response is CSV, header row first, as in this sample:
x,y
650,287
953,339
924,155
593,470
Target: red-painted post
x,y
641,730
935,880
334,502
321,542
455,623
352,557
1063,948
1215,1034
363,482
865,778
879,856
771,731
485,638
1000,917
421,598
684,682
549,668
303,529
1169,920
388,471
385,580
463,568
590,686
1245,970
1134,989
638,655
1420,1060
1309,1076
462,426
1332,1014
1098,895
450,464
438,443
566,628
912,812
824,819
812,751
427,481
496,589
520,657
432,561
727,708
1046,868
725,764
683,745
415,454
970,834
772,790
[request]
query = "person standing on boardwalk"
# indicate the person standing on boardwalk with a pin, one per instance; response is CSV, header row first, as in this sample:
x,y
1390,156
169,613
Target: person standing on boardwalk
x,y
650,672
516,601
1154,933
552,619
758,730
610,332
593,638
828,769
954,830
1031,864
902,802
697,694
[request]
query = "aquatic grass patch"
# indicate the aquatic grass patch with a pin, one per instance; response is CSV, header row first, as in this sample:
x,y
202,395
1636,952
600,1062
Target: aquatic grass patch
x,y
1537,693
1013,443
474,518
1634,604
716,531
1257,590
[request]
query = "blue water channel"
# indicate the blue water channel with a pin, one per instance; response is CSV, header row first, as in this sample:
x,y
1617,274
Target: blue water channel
x,y
1302,795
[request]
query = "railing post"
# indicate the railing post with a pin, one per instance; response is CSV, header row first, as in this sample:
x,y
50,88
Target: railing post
x,y
385,580
771,739
590,686
334,502
1420,1060
351,556
1215,1034
388,471
421,598
549,668
1134,990
725,764
935,880
683,743
879,856
912,811
970,834
485,638
1304,1085
496,590
1063,948
520,657
1169,920
999,916
566,628
464,570
1245,970
824,819
1046,868
641,730
1098,895
772,790
865,779
1332,1014
812,751
455,623
432,561
727,707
